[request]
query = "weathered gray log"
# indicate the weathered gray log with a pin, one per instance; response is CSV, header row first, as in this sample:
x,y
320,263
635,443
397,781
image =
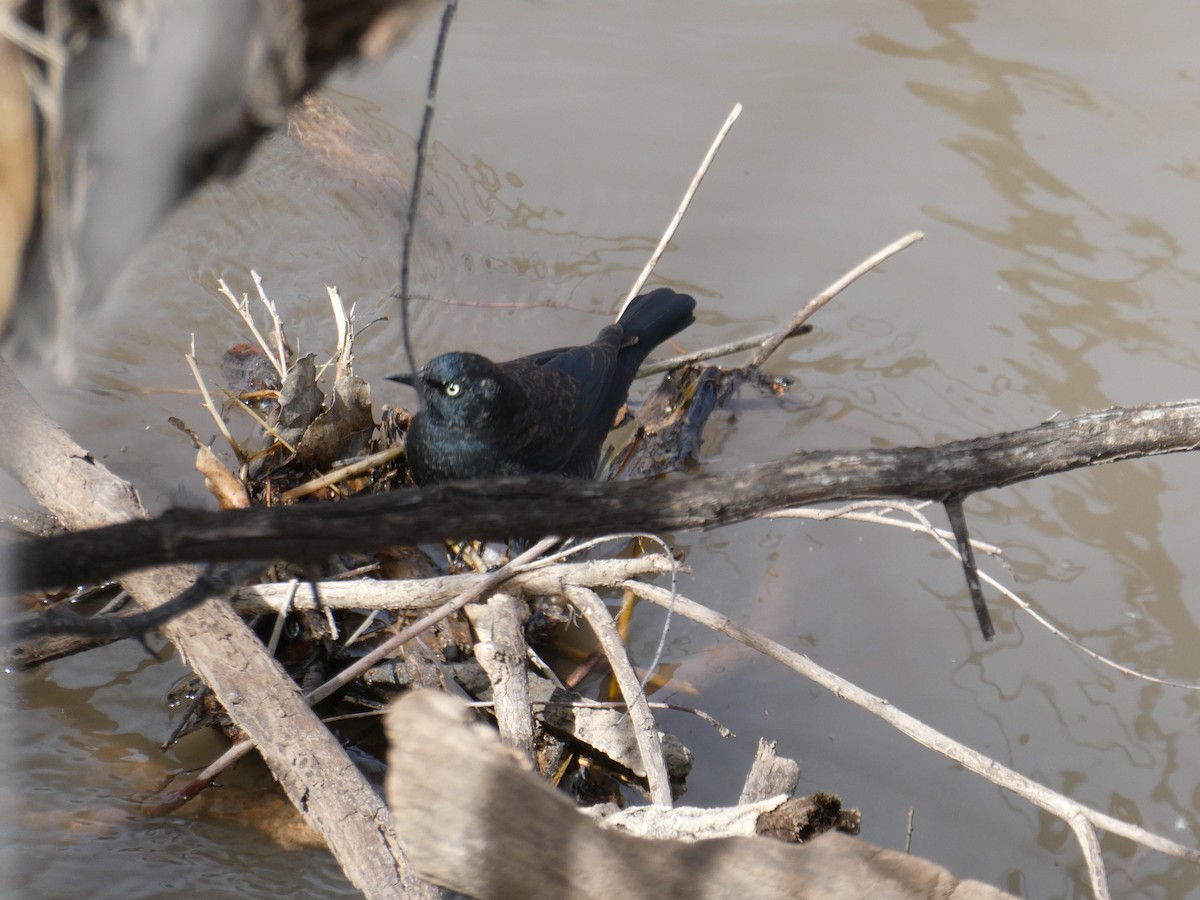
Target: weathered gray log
x,y
503,656
535,506
770,775
303,756
456,795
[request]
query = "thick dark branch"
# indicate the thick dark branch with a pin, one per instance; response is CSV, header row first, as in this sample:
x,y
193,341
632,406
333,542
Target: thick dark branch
x,y
536,506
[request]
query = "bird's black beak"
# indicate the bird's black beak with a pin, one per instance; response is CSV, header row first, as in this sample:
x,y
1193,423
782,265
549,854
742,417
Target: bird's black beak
x,y
409,378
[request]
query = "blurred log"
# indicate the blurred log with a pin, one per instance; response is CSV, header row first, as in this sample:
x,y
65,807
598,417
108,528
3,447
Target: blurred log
x,y
456,793
148,102
304,757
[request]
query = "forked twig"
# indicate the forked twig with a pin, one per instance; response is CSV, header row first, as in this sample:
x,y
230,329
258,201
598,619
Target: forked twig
x,y
242,308
276,324
717,350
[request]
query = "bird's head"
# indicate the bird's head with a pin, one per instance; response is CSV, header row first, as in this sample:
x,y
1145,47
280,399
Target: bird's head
x,y
460,389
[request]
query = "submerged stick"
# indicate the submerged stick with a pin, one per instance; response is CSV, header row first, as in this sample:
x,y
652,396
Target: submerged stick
x,y
958,523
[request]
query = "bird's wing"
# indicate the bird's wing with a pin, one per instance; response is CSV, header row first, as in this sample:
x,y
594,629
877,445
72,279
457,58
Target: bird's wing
x,y
591,366
565,390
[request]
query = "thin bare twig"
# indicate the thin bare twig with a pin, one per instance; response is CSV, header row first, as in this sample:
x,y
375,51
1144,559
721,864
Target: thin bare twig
x,y
418,174
242,308
276,324
262,423
772,344
351,470
687,200
208,402
922,525
713,352
1000,775
47,49
768,343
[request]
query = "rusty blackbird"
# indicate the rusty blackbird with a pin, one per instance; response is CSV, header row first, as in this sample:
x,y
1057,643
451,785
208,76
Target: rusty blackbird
x,y
545,413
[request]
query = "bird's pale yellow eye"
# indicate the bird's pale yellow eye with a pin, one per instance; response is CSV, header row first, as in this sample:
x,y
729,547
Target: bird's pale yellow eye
x,y
453,389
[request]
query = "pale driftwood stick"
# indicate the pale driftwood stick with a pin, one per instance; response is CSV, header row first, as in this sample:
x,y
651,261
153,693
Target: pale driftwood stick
x,y
502,656
533,505
772,344
327,789
685,823
1037,794
687,200
392,645
426,593
645,729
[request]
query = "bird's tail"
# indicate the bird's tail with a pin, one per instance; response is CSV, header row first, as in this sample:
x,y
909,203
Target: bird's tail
x,y
652,318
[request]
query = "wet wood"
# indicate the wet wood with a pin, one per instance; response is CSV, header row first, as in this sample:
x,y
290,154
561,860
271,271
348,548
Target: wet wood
x,y
455,791
304,757
533,506
800,820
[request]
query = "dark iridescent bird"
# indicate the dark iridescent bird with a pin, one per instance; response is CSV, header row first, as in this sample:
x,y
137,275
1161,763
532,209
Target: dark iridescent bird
x,y
547,413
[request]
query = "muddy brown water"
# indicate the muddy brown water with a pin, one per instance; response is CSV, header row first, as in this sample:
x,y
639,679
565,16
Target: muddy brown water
x,y
1050,154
